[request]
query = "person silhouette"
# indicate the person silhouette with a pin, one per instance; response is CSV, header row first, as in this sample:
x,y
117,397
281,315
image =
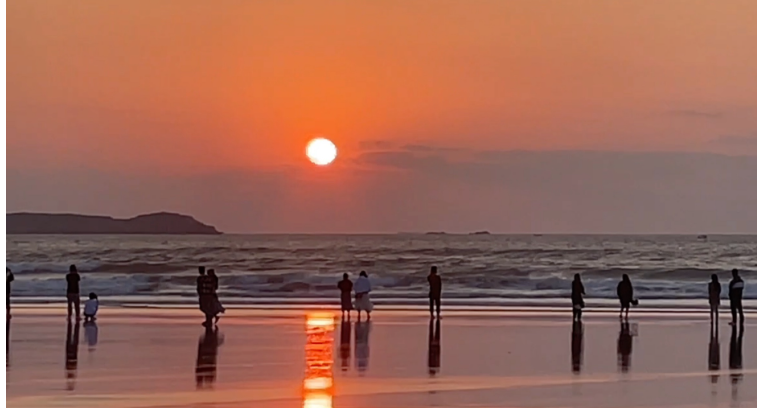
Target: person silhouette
x,y
345,341
345,294
735,294
207,357
8,279
72,354
434,292
713,356
577,297
72,291
577,346
362,346
434,347
625,346
625,295
713,290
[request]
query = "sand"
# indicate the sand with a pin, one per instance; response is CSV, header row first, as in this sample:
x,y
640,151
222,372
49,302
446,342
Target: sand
x,y
287,358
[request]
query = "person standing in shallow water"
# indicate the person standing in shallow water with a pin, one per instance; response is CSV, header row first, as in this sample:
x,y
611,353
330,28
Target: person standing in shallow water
x,y
735,294
345,289
577,297
713,289
8,279
205,295
72,291
435,292
362,295
625,295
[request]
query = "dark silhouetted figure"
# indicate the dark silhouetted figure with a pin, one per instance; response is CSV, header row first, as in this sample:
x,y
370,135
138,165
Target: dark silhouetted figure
x,y
735,361
345,340
625,295
205,295
713,290
72,354
345,294
713,357
577,297
216,308
735,294
577,346
434,347
72,290
207,357
434,292
362,347
625,346
91,333
8,279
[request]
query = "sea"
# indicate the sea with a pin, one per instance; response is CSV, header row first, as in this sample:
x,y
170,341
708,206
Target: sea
x,y
477,270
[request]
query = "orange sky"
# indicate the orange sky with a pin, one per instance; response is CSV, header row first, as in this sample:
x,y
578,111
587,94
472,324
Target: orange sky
x,y
187,87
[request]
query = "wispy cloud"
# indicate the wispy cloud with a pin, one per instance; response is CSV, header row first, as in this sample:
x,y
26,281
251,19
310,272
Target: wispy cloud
x,y
696,113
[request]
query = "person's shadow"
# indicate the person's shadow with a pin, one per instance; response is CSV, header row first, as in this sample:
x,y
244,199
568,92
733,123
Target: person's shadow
x,y
713,356
434,346
345,343
625,346
735,360
577,346
207,357
72,354
362,347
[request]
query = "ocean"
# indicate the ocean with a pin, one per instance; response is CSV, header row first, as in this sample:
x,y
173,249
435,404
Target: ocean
x,y
478,270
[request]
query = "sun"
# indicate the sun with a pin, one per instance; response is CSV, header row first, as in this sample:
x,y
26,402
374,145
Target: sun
x,y
321,151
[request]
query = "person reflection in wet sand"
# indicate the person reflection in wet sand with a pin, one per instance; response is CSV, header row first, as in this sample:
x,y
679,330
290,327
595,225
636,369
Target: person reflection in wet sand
x,y
72,354
713,358
434,347
577,346
625,346
735,359
91,334
7,341
362,348
207,357
345,341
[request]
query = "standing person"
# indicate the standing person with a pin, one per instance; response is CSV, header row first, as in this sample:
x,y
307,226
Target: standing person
x,y
577,297
205,295
625,295
713,288
735,294
345,289
435,292
72,290
8,279
217,307
362,295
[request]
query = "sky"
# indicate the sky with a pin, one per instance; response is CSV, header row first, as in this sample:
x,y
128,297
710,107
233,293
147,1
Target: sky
x,y
582,116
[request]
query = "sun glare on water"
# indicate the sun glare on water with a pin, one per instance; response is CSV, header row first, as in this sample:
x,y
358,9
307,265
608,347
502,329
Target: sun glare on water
x,y
321,151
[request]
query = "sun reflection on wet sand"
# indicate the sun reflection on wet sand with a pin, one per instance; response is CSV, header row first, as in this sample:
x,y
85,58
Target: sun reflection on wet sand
x,y
318,385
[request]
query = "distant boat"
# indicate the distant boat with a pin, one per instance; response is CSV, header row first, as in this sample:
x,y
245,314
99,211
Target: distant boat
x,y
702,237
538,235
480,233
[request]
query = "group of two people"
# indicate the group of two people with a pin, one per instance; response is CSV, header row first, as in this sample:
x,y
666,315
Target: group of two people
x,y
207,292
362,289
626,298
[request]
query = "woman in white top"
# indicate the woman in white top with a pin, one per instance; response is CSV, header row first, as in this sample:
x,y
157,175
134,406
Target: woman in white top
x,y
362,295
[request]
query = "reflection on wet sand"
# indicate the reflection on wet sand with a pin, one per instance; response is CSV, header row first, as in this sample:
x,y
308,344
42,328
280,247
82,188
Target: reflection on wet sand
x,y
434,347
72,354
362,346
713,356
577,346
625,346
735,360
318,385
7,341
91,333
345,343
207,357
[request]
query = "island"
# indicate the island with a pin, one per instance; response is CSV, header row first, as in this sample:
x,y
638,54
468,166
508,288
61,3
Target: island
x,y
153,224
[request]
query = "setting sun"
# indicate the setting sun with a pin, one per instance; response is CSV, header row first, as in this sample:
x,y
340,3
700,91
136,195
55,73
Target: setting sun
x,y
321,151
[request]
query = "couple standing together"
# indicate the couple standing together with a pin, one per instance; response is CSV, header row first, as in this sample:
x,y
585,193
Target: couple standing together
x,y
362,288
207,291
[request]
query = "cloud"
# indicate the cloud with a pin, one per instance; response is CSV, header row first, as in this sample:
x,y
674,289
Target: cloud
x,y
696,113
369,145
736,140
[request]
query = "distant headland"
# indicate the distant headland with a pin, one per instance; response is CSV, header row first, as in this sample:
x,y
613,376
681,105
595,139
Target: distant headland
x,y
157,223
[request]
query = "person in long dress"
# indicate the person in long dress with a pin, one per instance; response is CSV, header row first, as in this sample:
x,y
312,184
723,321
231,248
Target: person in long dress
x,y
362,295
345,287
577,297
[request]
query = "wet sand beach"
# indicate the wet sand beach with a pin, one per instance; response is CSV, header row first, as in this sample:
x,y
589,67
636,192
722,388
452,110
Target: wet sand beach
x,y
287,358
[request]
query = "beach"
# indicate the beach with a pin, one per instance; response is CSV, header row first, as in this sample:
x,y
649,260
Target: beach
x,y
163,357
